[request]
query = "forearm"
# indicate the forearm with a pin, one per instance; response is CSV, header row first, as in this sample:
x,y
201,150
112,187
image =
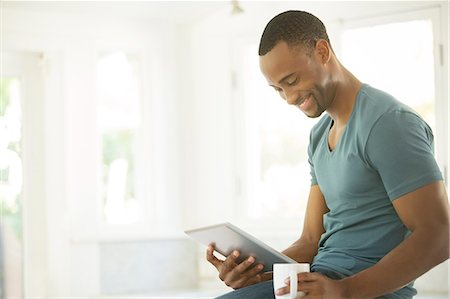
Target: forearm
x,y
420,252
302,250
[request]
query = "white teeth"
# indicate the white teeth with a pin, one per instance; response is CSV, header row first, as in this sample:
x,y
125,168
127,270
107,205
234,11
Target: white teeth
x,y
299,103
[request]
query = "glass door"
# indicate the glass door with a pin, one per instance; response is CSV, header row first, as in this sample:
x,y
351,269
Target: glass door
x,y
23,223
11,174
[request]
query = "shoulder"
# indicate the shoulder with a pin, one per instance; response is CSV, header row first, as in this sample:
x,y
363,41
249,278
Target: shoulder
x,y
386,114
400,128
376,108
373,103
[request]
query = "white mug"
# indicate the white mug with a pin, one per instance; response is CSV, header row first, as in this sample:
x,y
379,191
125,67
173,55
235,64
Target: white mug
x,y
283,271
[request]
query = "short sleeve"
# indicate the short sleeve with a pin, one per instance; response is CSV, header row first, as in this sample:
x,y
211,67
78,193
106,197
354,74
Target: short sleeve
x,y
400,148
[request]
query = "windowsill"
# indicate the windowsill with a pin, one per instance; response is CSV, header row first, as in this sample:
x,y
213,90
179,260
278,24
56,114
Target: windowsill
x,y
125,237
208,290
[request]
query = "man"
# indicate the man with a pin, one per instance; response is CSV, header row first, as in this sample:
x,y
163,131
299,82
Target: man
x,y
377,215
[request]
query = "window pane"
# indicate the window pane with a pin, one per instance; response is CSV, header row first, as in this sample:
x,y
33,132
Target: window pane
x,y
277,138
11,174
119,119
397,58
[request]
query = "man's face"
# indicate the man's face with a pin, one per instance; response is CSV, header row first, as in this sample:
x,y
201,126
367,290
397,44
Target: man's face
x,y
300,79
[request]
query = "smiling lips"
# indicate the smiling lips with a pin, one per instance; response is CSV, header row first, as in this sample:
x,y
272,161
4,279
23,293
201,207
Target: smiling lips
x,y
304,103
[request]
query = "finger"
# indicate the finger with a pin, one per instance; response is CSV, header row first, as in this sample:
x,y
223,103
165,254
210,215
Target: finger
x,y
303,287
306,283
245,272
230,262
307,287
309,276
256,270
238,271
245,265
227,266
212,258
283,291
255,279
246,281
266,276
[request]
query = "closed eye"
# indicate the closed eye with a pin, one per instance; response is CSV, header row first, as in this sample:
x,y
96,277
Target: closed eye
x,y
292,82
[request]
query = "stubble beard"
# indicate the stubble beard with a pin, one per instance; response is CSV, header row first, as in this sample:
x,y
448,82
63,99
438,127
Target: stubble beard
x,y
320,109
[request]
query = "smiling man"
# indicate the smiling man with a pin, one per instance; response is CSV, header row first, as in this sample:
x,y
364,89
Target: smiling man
x,y
377,215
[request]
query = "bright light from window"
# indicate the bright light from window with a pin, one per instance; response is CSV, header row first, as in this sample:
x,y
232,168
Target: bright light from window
x,y
11,179
10,146
118,119
277,139
397,58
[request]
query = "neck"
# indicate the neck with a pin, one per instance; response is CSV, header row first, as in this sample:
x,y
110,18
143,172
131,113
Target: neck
x,y
347,87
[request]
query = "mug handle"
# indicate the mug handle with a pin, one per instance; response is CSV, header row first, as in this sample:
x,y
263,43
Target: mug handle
x,y
293,278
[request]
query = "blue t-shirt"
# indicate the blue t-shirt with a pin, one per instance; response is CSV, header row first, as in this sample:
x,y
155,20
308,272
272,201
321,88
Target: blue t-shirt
x,y
385,152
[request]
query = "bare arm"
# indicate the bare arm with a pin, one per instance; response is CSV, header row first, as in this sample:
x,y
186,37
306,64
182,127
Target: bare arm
x,y
426,213
305,248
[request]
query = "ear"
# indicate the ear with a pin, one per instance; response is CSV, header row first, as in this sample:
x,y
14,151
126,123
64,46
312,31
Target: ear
x,y
323,51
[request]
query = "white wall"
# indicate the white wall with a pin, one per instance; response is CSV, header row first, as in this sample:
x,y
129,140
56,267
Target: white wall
x,y
69,45
189,94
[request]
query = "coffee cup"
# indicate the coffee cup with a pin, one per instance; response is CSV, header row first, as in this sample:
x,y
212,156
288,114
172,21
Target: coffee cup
x,y
281,272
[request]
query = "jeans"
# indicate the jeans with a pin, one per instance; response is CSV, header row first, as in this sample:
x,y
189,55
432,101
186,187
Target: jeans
x,y
263,290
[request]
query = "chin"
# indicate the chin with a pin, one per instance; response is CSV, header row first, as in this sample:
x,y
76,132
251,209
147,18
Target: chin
x,y
315,115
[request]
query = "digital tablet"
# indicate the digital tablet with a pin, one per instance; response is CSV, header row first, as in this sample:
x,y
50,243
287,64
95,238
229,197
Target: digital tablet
x,y
226,237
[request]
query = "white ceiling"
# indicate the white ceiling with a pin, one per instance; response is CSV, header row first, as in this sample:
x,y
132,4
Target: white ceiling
x,y
172,11
185,11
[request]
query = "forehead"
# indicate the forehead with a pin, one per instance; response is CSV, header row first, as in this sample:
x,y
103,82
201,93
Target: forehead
x,y
282,61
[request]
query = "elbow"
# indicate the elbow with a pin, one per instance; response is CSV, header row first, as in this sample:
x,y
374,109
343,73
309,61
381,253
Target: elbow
x,y
442,243
435,241
446,246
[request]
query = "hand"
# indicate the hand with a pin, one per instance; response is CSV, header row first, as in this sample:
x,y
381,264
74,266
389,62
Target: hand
x,y
316,285
237,275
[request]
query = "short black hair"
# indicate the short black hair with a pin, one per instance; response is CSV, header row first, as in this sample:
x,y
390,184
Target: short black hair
x,y
296,28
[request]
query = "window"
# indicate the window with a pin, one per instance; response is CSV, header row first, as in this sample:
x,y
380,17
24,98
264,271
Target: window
x,y
11,177
276,137
397,58
119,118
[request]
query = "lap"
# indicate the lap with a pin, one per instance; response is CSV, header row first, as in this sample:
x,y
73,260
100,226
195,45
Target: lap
x,y
263,290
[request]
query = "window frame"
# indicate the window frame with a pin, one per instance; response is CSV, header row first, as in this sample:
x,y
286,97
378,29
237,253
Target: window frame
x,y
438,21
266,227
274,232
144,185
